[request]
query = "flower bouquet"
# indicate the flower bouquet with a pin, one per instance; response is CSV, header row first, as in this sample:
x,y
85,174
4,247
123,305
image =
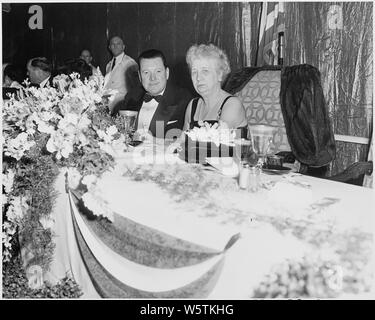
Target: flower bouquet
x,y
208,140
46,130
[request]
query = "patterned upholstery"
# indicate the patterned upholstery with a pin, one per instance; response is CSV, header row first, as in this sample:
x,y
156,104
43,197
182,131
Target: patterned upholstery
x,y
261,99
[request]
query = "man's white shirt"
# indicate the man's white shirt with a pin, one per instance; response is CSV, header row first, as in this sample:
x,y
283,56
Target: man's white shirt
x,y
146,113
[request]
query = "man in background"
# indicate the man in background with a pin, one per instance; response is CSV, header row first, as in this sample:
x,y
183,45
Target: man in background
x,y
39,71
120,72
86,55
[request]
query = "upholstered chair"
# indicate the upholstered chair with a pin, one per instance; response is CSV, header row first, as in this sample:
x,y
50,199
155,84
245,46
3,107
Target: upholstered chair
x,y
290,100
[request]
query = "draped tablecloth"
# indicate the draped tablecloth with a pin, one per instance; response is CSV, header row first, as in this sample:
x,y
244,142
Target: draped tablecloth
x,y
185,231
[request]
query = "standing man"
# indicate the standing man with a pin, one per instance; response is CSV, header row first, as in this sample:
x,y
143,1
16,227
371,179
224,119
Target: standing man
x,y
39,71
160,103
86,55
121,72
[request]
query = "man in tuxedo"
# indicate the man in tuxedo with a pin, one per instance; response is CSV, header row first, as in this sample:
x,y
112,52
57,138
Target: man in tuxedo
x,y
160,104
39,71
120,72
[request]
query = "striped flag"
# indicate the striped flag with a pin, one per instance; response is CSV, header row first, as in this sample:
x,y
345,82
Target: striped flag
x,y
129,259
272,22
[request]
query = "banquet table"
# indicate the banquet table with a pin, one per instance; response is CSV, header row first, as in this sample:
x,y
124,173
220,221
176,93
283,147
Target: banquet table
x,y
173,229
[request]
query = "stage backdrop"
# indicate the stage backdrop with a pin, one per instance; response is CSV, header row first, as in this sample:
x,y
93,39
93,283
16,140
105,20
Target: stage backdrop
x,y
335,37
170,27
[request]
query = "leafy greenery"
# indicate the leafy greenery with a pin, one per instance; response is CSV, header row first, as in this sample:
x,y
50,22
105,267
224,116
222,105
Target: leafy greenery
x,y
302,279
15,285
66,126
34,177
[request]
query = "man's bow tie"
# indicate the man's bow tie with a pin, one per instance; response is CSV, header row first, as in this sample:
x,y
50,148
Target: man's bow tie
x,y
148,97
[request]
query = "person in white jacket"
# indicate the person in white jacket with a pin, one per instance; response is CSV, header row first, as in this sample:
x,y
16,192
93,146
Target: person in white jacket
x,y
121,72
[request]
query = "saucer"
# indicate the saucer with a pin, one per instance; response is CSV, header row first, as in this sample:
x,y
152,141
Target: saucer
x,y
276,169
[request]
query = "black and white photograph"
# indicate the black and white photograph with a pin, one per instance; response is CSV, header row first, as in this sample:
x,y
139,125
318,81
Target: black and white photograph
x,y
197,151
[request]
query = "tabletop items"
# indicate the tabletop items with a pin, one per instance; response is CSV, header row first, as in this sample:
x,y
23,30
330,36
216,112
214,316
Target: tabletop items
x,y
249,177
288,216
129,118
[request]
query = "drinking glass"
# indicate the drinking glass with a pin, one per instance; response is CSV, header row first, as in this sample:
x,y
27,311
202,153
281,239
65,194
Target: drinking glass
x,y
130,118
262,137
243,149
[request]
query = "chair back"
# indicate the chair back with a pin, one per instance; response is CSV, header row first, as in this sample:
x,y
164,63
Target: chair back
x,y
261,99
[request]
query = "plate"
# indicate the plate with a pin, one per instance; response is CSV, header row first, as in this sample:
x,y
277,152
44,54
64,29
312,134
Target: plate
x,y
276,169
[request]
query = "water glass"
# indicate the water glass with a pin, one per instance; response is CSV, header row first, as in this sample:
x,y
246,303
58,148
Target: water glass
x,y
130,118
262,137
242,149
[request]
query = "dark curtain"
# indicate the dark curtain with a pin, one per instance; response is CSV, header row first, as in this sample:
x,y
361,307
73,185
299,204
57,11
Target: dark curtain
x,y
174,27
344,58
171,27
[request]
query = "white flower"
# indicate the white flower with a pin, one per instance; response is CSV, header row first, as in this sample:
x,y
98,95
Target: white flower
x,y
46,222
71,118
30,125
217,134
18,146
44,127
101,134
112,130
61,143
114,147
97,205
9,230
106,147
46,115
17,209
74,177
90,181
62,82
83,122
8,180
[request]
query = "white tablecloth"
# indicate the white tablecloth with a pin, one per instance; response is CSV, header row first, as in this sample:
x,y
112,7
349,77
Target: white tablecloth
x,y
260,246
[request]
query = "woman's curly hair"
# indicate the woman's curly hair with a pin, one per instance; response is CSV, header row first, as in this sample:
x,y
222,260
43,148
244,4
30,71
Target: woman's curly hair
x,y
209,51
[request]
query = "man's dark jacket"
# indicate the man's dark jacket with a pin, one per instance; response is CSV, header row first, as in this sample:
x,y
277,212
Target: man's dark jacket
x,y
171,108
304,110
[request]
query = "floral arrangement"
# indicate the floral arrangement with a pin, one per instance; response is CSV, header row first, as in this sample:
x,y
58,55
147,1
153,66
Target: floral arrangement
x,y
215,133
304,278
44,130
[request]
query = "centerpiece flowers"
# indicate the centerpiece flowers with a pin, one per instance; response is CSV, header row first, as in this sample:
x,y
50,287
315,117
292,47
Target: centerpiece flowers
x,y
207,140
66,126
215,133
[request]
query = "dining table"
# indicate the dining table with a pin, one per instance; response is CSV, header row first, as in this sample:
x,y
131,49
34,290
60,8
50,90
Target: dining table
x,y
156,226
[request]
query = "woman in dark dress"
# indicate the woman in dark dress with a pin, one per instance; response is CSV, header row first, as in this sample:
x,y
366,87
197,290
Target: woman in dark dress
x,y
209,66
